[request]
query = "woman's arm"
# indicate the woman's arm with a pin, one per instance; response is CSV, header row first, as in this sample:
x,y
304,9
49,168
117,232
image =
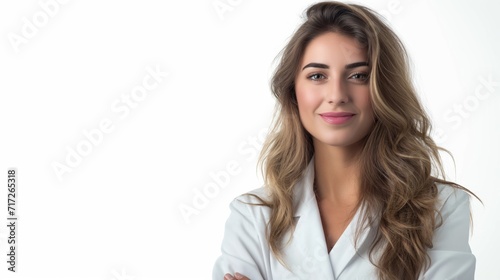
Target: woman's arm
x,y
241,247
451,256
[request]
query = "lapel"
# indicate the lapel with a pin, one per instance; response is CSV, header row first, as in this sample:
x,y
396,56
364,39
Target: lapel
x,y
306,254
347,248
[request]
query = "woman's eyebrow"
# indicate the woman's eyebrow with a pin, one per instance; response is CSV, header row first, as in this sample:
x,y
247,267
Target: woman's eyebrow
x,y
356,64
316,65
324,66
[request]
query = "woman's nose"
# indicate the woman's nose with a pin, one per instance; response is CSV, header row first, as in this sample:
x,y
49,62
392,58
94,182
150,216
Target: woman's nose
x,y
336,92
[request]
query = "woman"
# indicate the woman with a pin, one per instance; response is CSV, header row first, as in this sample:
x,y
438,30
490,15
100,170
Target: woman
x,y
347,167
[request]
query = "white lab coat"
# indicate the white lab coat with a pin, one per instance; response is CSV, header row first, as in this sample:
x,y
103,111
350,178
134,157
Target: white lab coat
x,y
245,249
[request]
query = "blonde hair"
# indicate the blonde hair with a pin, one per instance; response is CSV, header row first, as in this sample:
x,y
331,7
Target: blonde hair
x,y
398,156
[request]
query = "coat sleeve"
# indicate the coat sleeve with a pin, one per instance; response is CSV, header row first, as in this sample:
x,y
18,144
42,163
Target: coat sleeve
x,y
451,256
242,247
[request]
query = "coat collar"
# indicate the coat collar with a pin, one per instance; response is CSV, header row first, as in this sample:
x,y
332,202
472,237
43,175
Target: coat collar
x,y
307,252
303,191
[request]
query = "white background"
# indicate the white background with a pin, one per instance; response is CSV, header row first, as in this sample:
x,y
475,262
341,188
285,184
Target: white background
x,y
116,214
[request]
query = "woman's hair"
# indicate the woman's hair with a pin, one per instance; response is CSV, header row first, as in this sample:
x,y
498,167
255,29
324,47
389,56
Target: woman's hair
x,y
398,155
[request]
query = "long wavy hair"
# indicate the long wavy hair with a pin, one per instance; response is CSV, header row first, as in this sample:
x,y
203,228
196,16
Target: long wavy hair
x,y
398,156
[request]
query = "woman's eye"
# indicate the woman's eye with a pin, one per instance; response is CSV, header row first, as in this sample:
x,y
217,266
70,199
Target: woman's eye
x,y
316,77
360,76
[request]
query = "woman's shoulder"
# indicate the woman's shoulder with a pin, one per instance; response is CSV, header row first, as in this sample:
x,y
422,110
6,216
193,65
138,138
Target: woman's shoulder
x,y
450,196
255,196
450,254
453,211
253,203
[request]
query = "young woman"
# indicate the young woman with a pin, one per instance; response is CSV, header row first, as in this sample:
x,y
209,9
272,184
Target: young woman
x,y
348,167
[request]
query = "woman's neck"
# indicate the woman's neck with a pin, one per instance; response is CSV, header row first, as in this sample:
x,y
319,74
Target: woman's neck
x,y
337,174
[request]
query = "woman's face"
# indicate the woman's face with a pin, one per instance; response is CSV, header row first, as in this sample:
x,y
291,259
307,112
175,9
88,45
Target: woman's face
x,y
333,92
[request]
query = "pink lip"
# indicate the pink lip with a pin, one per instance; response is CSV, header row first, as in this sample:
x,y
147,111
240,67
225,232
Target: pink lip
x,y
337,118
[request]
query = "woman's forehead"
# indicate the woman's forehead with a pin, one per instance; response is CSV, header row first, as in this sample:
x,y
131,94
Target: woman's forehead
x,y
334,48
